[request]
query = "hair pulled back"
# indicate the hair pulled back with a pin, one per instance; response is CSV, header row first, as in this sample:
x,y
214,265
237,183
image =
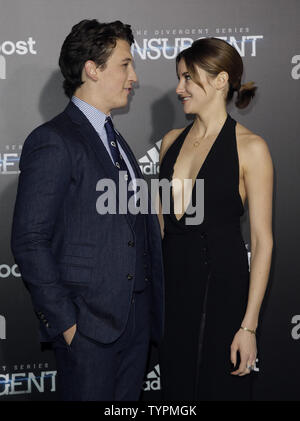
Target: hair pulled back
x,y
214,56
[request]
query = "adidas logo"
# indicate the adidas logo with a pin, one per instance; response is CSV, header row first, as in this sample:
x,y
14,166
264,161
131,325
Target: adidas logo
x,y
149,163
152,381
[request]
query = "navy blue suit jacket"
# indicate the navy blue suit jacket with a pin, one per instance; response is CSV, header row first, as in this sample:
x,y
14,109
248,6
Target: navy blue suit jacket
x,y
75,262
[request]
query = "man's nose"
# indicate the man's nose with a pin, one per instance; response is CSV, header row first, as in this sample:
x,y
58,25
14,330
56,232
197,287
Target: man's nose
x,y
133,75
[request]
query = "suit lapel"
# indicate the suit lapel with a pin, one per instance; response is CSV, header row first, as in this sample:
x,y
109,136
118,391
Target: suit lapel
x,y
88,132
131,158
136,168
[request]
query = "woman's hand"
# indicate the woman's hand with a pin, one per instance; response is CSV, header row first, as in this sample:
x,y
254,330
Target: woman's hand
x,y
243,342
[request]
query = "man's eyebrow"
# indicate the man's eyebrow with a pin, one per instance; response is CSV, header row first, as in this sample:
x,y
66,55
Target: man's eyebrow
x,y
127,59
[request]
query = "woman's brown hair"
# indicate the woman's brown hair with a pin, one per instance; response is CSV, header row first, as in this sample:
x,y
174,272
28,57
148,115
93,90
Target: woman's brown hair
x,y
214,56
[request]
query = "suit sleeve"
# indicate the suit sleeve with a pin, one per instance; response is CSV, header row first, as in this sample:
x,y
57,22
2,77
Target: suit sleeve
x,y
44,179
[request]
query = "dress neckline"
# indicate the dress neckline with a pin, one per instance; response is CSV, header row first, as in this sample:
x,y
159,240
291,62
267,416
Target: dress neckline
x,y
213,146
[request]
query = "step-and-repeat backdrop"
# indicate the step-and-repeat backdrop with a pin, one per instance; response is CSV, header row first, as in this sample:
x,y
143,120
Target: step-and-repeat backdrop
x,y
267,35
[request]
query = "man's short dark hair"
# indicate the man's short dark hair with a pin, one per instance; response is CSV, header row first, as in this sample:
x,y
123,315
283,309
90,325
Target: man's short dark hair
x,y
89,40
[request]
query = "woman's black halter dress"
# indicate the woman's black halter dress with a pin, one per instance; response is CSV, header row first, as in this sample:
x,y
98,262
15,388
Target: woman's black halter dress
x,y
207,281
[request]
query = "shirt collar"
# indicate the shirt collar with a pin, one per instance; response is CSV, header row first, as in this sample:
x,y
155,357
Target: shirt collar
x,y
96,117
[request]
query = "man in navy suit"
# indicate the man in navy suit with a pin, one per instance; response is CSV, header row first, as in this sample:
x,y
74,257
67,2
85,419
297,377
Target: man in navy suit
x,y
95,278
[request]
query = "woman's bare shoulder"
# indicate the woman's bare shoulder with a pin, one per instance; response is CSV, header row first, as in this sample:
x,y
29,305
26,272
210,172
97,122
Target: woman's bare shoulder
x,y
167,141
250,145
248,141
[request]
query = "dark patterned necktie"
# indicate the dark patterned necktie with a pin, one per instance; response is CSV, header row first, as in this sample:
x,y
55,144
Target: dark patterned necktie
x,y
114,149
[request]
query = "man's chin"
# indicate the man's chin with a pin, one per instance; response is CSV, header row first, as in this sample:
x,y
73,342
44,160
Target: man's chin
x,y
122,104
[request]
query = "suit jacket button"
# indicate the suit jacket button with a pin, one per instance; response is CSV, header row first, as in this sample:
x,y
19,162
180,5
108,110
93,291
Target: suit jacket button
x,y
129,277
47,324
130,243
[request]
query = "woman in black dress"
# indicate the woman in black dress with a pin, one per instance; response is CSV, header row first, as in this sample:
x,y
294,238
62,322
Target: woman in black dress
x,y
212,301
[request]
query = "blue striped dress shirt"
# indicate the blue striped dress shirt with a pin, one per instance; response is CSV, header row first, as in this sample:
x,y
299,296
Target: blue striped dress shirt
x,y
97,119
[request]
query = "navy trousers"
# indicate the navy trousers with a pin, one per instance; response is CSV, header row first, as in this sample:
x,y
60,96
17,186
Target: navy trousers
x,y
90,371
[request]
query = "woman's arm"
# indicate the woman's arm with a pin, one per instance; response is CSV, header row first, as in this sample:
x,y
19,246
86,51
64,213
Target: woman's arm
x,y
258,176
258,181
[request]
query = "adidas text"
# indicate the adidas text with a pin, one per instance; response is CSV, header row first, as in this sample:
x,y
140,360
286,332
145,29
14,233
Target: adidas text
x,y
150,169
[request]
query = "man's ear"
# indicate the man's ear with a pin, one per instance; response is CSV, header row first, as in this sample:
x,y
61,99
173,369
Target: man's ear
x,y
90,69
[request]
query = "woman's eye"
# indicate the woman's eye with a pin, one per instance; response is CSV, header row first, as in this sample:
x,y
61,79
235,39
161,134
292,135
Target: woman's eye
x,y
187,77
